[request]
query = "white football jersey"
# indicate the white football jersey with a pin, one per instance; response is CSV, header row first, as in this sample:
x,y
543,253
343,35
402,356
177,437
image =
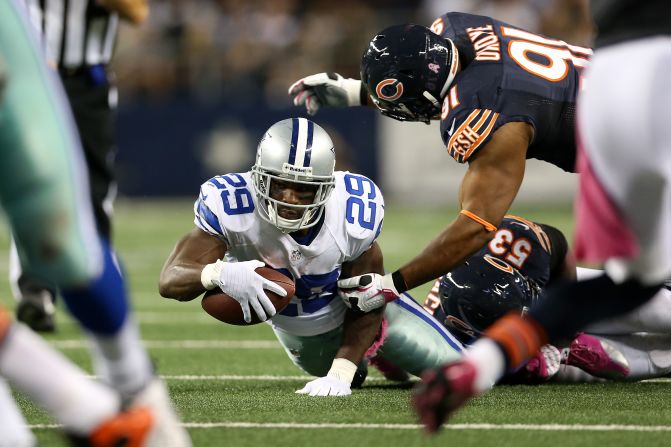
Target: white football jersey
x,y
227,208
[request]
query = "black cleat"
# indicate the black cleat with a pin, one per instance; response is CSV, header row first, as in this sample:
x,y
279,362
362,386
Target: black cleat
x,y
36,310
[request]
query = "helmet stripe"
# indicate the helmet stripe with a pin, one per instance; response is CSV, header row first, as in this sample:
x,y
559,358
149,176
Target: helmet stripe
x,y
294,141
308,144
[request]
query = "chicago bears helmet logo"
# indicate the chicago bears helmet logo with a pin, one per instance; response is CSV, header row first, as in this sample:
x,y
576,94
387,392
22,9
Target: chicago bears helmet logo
x,y
389,89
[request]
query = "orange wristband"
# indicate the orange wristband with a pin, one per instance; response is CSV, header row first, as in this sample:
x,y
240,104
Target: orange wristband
x,y
480,220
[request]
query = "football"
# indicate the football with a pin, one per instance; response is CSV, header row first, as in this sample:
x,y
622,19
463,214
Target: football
x,y
225,308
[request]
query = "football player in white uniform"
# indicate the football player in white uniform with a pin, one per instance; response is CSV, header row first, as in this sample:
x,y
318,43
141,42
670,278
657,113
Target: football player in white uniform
x,y
294,213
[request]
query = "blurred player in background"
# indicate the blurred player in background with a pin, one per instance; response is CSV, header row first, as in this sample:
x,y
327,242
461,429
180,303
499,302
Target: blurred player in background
x,y
509,273
502,94
44,192
78,38
623,209
294,213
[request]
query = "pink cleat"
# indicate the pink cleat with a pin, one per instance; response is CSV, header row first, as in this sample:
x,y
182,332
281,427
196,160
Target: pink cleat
x,y
545,364
597,357
443,391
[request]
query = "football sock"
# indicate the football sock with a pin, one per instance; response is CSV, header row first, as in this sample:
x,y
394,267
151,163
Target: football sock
x,y
13,426
490,361
49,379
568,307
121,360
653,316
101,307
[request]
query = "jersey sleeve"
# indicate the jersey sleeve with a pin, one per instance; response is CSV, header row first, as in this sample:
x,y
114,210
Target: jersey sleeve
x,y
225,205
364,213
205,210
468,130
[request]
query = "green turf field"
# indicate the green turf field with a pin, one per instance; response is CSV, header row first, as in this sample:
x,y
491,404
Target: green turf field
x,y
235,387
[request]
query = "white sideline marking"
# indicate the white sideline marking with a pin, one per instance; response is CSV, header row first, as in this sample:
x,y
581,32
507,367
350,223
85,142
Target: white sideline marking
x,y
182,344
538,427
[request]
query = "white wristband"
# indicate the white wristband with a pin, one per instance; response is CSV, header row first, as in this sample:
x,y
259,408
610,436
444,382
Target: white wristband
x,y
210,274
353,89
343,370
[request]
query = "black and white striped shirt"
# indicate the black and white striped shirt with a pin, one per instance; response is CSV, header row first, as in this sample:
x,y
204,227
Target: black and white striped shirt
x,y
76,33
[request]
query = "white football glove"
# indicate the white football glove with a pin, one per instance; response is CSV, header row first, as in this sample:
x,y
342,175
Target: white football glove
x,y
326,386
336,383
367,292
241,282
326,89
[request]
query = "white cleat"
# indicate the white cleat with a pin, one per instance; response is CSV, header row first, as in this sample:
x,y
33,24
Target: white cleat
x,y
167,430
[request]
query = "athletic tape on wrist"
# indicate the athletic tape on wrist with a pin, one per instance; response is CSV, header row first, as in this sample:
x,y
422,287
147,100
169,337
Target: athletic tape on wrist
x,y
343,370
210,274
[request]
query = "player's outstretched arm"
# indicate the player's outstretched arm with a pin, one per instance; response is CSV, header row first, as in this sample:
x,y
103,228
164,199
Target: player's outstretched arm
x,y
359,332
327,90
487,190
180,277
361,329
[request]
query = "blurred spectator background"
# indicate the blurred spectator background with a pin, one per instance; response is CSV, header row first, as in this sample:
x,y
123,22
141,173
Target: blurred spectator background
x,y
202,79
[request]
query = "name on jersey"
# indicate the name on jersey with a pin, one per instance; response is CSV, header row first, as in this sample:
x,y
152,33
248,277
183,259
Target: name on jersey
x,y
485,42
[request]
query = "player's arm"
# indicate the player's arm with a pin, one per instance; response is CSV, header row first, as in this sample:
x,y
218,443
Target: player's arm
x,y
134,11
488,188
359,332
360,329
487,191
181,274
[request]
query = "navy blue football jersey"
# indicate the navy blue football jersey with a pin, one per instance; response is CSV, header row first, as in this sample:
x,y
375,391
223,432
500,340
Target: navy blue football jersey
x,y
524,245
510,75
520,243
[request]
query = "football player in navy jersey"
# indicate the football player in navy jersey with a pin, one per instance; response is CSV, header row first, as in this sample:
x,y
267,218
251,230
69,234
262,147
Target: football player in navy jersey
x,y
509,273
623,205
503,95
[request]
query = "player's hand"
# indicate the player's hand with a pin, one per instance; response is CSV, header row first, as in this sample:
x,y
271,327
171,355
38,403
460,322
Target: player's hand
x,y
367,292
326,89
326,386
240,281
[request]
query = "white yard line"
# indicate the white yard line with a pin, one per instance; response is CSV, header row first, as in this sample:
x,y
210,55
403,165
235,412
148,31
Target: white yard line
x,y
237,377
182,344
483,427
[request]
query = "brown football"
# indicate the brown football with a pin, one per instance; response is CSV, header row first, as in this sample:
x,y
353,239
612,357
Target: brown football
x,y
225,308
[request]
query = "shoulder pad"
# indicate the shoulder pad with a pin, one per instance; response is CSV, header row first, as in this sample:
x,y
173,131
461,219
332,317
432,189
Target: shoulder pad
x,y
361,207
225,203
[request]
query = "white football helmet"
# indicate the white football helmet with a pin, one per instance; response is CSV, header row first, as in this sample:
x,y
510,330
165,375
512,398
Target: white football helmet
x,y
294,150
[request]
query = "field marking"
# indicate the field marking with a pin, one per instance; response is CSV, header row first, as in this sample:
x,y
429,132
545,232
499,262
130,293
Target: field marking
x,y
237,377
484,427
182,344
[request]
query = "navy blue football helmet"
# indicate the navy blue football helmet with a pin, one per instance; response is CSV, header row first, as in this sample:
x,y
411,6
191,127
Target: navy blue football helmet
x,y
407,70
479,292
